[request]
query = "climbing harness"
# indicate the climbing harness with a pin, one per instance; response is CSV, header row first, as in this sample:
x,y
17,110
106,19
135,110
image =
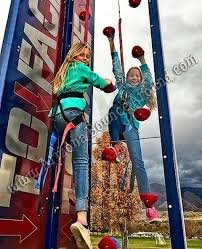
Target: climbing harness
x,y
54,138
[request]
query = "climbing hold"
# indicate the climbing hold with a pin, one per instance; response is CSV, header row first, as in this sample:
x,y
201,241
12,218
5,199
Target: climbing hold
x,y
109,154
107,243
82,15
117,242
137,52
149,199
109,31
109,88
134,3
142,114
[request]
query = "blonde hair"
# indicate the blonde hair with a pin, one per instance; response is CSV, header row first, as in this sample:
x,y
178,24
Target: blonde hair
x,y
151,99
152,103
74,51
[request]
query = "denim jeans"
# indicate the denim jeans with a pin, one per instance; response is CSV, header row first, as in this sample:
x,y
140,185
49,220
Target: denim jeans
x,y
119,131
116,128
80,157
131,136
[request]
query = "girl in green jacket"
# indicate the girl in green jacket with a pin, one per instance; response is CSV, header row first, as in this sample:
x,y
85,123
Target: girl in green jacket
x,y
71,81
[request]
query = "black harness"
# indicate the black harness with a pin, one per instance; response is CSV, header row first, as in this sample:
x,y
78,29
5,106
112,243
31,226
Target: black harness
x,y
79,119
76,120
124,102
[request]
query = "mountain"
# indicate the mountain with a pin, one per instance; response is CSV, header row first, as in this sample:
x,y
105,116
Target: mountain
x,y
196,191
161,191
191,201
191,197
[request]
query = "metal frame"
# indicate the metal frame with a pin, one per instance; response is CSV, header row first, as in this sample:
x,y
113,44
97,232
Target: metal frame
x,y
55,198
174,200
90,93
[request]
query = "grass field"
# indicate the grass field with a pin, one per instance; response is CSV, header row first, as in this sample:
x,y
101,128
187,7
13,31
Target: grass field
x,y
149,243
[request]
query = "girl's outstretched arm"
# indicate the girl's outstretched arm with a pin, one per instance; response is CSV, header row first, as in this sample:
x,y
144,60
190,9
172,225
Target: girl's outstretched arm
x,y
91,77
148,80
116,64
142,60
111,44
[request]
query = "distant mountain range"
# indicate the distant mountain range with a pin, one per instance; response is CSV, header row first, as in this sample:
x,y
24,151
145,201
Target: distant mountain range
x,y
191,198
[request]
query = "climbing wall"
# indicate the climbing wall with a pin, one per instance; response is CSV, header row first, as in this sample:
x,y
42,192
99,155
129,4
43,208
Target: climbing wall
x,y
67,214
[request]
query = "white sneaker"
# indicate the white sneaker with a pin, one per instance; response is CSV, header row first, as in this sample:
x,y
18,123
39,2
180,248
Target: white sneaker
x,y
81,235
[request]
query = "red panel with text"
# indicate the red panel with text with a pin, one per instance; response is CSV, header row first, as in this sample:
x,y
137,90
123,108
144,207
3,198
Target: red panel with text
x,y
24,129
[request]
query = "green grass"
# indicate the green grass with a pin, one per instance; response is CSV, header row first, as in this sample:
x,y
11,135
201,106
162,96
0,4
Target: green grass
x,y
148,243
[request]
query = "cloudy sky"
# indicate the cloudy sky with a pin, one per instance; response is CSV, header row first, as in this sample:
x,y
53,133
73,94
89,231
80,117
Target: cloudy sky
x,y
181,25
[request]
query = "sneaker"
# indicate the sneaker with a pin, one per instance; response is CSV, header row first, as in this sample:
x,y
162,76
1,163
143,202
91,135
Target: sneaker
x,y
152,215
81,235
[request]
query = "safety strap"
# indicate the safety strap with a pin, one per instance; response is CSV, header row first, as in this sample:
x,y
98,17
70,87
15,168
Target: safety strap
x,y
71,125
67,95
64,96
52,147
124,103
70,94
46,165
120,39
39,183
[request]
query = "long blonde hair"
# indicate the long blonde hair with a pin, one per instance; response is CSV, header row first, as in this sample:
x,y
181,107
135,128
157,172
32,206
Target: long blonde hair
x,y
74,51
151,98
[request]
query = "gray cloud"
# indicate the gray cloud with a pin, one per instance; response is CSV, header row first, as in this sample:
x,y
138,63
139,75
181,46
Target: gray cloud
x,y
181,24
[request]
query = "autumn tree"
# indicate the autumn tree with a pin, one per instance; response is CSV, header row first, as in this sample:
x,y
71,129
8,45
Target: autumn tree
x,y
112,204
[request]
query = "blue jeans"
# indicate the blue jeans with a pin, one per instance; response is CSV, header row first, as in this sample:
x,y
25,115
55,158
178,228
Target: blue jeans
x,y
118,131
133,143
80,157
116,128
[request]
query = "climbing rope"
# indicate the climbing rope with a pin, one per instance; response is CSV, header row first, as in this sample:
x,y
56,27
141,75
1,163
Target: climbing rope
x,y
87,21
120,38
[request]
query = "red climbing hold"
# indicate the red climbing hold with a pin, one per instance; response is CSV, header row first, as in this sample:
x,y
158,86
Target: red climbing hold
x,y
134,3
107,243
109,154
149,199
142,114
82,15
137,52
109,88
109,31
